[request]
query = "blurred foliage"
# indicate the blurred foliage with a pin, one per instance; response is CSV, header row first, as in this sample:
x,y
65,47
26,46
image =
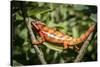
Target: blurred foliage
x,y
70,19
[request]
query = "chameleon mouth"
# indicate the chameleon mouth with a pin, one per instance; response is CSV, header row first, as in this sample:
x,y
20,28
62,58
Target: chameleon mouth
x,y
37,23
34,25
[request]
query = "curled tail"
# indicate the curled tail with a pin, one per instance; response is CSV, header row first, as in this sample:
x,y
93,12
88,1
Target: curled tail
x,y
82,37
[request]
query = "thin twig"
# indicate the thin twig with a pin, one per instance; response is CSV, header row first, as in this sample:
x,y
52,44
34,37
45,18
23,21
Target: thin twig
x,y
83,48
28,24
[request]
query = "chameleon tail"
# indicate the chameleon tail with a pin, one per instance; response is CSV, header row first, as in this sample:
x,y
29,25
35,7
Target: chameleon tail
x,y
82,37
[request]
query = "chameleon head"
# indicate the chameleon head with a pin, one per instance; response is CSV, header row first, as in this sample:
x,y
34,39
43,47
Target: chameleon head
x,y
38,25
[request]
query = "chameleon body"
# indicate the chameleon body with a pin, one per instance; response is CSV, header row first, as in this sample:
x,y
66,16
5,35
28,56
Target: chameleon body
x,y
54,36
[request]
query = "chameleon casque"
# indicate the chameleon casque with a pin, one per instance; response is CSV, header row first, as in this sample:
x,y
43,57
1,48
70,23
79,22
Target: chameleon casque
x,y
52,35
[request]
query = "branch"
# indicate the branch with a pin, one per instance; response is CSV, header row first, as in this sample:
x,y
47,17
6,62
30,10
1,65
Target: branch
x,y
28,24
38,51
85,45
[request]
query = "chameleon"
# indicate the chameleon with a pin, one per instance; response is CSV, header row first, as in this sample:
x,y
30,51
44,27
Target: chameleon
x,y
52,35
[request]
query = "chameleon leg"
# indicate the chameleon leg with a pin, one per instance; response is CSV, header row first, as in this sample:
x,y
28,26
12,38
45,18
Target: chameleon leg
x,y
65,45
41,40
77,48
42,36
37,42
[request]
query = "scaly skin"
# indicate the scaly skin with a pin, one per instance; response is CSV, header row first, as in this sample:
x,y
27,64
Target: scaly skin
x,y
54,36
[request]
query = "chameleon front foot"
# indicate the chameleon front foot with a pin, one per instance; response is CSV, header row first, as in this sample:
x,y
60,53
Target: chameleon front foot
x,y
37,42
65,46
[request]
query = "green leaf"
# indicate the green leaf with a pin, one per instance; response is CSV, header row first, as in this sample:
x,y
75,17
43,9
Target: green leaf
x,y
38,10
32,50
91,44
22,33
75,31
63,12
62,26
93,17
80,7
53,47
51,24
62,60
15,63
25,46
18,17
90,48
